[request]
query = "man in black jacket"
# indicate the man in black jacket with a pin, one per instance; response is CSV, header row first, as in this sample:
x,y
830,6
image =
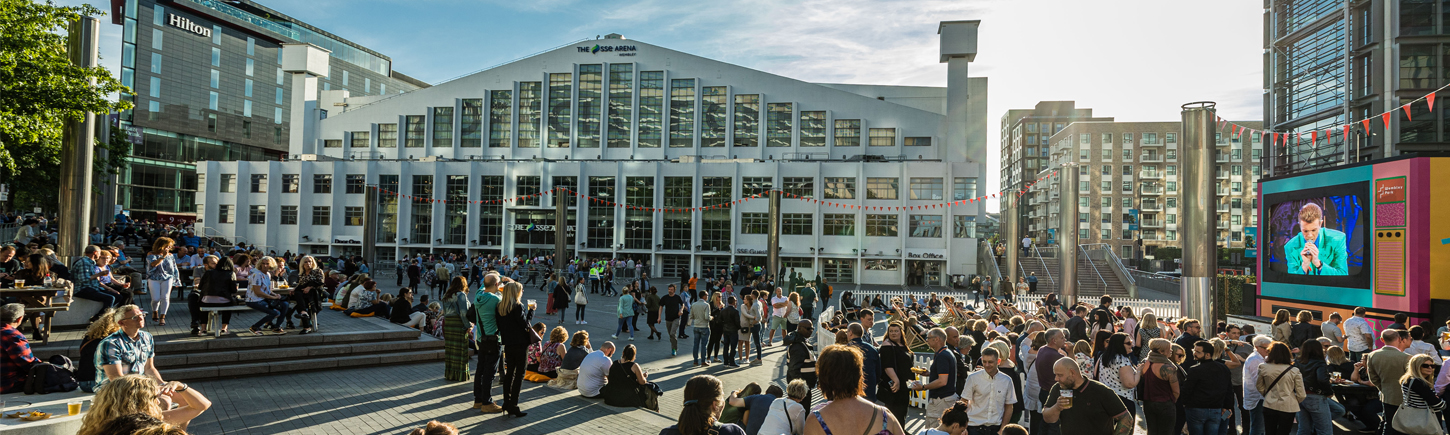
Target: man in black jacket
x,y
1211,395
800,360
731,323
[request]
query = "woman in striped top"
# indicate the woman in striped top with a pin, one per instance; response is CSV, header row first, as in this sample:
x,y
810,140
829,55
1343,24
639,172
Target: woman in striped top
x,y
1418,385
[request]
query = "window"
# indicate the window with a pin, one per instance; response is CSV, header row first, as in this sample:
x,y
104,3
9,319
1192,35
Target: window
x,y
289,215
884,265
838,224
422,210
322,183
561,89
259,183
530,109
926,188
883,137
225,214
1127,186
881,225
1127,138
848,132
881,188
1106,201
804,187
500,118
639,224
213,103
1171,169
964,188
621,105
291,183
442,127
471,122
257,215
1105,187
490,213
796,224
1107,140
355,183
1082,155
926,225
755,223
1107,154
813,129
1150,138
1084,139
591,87
651,104
1127,155
1171,202
387,135
455,211
679,193
1107,170
1238,187
778,124
360,139
755,185
352,216
1127,203
1106,218
840,188
527,185
1082,201
1236,169
229,183
965,227
415,131
1172,186
715,231
571,183
600,234
1082,186
747,120
1236,203
1417,65
682,113
1106,234
332,143
1236,219
321,215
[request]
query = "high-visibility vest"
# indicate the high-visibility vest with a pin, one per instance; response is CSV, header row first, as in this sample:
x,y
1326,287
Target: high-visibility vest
x,y
757,269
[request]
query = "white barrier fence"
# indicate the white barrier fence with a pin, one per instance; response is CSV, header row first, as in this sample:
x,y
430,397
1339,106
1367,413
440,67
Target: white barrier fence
x,y
1027,303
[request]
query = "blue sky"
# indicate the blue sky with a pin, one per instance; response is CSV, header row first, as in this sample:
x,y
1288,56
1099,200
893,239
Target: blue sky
x,y
1135,60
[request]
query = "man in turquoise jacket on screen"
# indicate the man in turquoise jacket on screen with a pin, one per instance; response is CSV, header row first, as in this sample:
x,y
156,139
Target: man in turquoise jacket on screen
x,y
1316,250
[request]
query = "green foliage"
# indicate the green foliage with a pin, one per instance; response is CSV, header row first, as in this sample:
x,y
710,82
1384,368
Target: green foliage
x,y
1229,295
1168,253
40,90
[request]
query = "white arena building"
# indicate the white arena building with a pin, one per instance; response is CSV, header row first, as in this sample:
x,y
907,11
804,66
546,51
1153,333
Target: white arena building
x,y
635,124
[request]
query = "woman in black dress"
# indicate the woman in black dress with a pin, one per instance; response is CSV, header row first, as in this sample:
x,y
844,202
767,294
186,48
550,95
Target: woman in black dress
x,y
627,382
896,360
516,335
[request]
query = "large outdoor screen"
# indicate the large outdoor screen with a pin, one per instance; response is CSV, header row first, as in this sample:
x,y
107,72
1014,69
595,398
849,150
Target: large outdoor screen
x,y
1317,236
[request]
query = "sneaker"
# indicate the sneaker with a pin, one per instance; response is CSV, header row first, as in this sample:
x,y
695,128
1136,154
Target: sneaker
x,y
674,352
490,408
255,331
631,338
586,322
755,362
614,336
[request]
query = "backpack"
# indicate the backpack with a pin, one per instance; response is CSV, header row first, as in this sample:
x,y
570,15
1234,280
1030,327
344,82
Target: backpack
x,y
54,376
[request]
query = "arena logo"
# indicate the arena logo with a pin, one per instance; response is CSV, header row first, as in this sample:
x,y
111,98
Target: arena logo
x,y
624,50
185,24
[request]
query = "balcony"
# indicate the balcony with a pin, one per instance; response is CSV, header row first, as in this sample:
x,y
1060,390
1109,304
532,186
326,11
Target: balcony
x,y
1150,175
1151,207
1152,190
1150,223
1222,225
1150,144
1151,236
1223,208
1151,158
1221,175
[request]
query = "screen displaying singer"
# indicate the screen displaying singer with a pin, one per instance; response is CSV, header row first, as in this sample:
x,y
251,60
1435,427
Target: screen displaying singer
x,y
1316,250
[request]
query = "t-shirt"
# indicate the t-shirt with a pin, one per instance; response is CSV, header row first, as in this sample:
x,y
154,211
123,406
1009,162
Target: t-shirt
x,y
778,312
129,355
592,373
672,304
1094,408
1046,357
759,406
10,267
1332,332
785,417
943,363
1354,331
1076,329
486,304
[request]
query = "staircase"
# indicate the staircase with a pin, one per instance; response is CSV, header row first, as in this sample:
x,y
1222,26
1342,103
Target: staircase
x,y
1049,279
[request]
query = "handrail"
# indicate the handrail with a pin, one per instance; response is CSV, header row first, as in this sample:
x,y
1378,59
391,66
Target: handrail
x,y
1044,265
1152,275
1117,264
985,254
233,238
1090,263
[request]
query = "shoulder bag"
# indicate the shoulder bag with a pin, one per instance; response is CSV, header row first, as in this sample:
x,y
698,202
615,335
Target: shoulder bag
x,y
1276,380
1416,421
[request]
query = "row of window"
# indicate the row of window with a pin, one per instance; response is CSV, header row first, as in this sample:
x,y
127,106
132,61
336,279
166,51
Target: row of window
x,y
321,215
844,224
921,188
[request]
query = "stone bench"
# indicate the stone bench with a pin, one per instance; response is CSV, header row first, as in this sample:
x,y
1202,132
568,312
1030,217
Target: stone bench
x,y
214,318
53,403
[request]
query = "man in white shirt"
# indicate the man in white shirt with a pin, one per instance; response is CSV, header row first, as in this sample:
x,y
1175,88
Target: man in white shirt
x,y
778,304
1330,329
1358,335
1026,246
1253,400
990,395
594,370
787,415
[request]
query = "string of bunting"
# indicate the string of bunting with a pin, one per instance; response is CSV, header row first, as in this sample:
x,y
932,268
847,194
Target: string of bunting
x,y
1283,139
608,203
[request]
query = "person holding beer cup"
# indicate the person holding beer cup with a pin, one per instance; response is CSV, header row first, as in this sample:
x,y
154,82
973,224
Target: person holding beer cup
x,y
1083,406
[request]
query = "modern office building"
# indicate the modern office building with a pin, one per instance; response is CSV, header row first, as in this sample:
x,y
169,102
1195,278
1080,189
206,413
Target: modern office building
x,y
1025,150
209,85
1132,167
1327,63
644,126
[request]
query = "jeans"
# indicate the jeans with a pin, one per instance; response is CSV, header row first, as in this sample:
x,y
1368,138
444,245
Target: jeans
x,y
579,312
755,333
1203,421
107,299
1255,419
488,353
1231,425
563,312
1314,416
1047,428
265,307
727,343
702,337
1159,417
624,327
1278,422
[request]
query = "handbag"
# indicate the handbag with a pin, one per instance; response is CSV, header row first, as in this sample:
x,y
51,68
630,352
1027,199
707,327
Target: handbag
x,y
1416,421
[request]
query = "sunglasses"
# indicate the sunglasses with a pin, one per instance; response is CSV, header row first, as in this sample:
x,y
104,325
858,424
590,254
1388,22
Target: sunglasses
x,y
1427,366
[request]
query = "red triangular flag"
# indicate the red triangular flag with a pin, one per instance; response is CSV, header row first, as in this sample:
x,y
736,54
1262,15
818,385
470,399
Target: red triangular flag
x,y
1430,99
1386,117
1346,132
1314,137
1407,112
1366,124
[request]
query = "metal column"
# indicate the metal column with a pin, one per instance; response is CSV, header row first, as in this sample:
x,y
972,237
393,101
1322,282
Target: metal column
x,y
1198,208
1014,241
77,149
370,226
772,245
1067,235
561,228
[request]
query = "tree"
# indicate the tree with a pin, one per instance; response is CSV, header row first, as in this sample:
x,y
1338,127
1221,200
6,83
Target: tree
x,y
40,90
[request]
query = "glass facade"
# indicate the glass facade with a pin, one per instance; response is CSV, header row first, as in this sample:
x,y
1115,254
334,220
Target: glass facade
x,y
470,133
639,224
500,118
682,113
747,120
561,86
529,111
591,86
778,120
621,104
651,108
713,103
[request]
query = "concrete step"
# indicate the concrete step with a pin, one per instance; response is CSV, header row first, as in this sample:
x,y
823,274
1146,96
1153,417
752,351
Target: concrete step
x,y
241,369
187,360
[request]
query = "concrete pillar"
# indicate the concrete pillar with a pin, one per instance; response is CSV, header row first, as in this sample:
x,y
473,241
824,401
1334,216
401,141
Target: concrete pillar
x,y
958,42
1014,240
1067,234
77,149
1198,211
370,225
561,229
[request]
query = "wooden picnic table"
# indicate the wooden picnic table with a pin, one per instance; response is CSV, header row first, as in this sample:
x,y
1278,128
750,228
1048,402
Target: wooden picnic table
x,y
48,302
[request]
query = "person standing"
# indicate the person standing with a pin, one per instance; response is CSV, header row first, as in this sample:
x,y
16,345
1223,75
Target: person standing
x,y
1047,356
1026,246
514,331
1032,282
896,361
800,360
580,301
1386,366
808,301
455,331
700,319
1253,399
1283,389
871,359
486,303
1211,399
778,304
674,308
1330,329
624,310
942,376
161,275
1314,414
1090,408
1358,335
990,395
652,311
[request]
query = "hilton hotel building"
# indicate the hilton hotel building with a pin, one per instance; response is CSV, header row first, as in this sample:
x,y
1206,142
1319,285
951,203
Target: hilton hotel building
x,y
634,123
208,85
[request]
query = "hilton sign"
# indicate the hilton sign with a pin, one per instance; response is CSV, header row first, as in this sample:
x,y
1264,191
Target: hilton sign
x,y
185,24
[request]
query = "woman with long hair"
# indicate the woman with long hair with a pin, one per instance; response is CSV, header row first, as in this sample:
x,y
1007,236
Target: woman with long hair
x,y
261,298
1282,386
1314,410
309,292
513,328
1114,368
703,400
137,394
1130,327
1283,326
91,342
1147,331
896,362
455,330
218,287
161,274
1160,387
717,327
1418,386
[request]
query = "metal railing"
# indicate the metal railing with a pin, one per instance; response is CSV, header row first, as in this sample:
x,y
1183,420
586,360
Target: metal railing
x,y
1122,271
985,255
1044,265
210,232
1083,251
7,232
